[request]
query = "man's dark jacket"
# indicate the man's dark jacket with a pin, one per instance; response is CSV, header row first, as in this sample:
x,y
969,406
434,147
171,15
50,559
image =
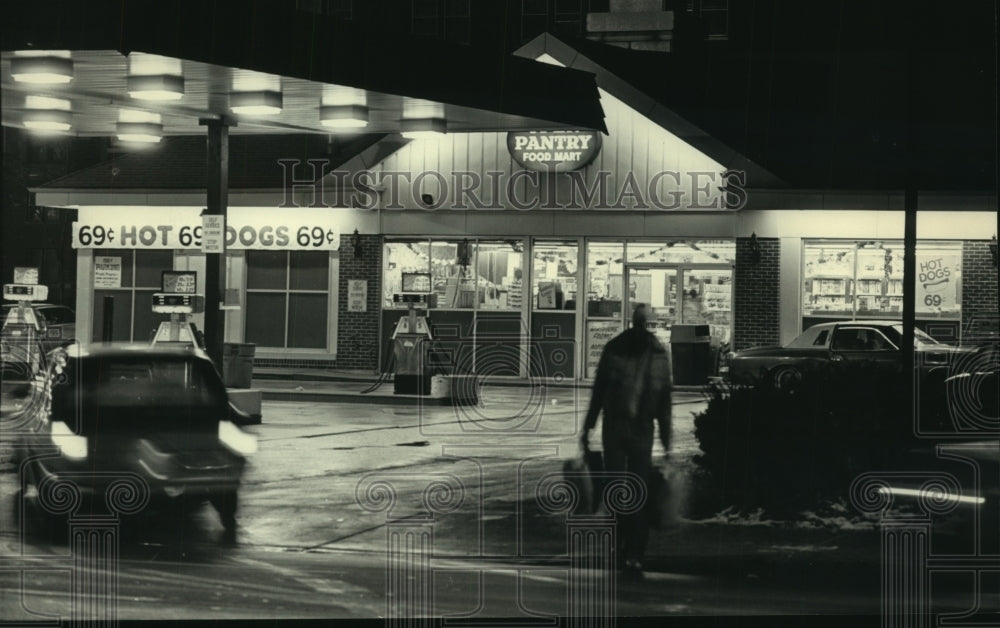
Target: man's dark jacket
x,y
632,386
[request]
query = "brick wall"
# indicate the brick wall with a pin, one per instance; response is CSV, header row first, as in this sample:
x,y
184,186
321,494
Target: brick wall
x,y
757,308
979,281
357,332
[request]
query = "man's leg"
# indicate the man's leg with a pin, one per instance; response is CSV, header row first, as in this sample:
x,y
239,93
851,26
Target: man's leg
x,y
640,462
616,461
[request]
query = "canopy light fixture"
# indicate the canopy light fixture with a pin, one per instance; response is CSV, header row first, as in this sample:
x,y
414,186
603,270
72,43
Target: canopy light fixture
x,y
156,87
48,120
263,103
344,116
42,70
142,132
417,128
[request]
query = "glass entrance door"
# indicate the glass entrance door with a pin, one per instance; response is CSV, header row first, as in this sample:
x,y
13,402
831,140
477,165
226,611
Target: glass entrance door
x,y
707,300
682,294
657,287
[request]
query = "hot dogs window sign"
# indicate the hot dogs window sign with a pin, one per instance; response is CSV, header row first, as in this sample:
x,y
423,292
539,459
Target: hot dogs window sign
x,y
553,151
247,228
938,281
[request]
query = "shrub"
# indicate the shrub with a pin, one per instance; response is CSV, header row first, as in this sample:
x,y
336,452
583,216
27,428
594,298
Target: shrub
x,y
782,451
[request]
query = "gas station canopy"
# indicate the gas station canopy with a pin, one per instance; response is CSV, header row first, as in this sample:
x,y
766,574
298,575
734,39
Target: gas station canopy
x,y
145,70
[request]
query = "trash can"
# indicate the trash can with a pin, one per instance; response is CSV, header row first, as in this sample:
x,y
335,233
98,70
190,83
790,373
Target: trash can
x,y
237,364
691,353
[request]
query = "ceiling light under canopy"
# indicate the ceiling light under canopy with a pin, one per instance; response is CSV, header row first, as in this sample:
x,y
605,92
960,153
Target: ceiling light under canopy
x,y
416,128
48,120
42,70
141,132
260,103
156,87
344,116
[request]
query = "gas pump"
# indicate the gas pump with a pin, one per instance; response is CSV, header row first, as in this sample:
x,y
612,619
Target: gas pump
x,y
179,300
23,357
410,341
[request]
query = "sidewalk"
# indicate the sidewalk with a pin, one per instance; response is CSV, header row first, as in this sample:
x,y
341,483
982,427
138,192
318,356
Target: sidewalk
x,y
324,385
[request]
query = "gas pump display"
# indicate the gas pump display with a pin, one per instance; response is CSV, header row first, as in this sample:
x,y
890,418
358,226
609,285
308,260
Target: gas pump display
x,y
179,300
23,355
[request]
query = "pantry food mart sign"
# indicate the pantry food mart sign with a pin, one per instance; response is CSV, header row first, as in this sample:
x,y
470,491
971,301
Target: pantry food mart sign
x,y
553,151
256,228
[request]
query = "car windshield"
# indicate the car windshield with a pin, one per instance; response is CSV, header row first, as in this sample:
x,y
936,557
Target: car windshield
x,y
58,315
138,389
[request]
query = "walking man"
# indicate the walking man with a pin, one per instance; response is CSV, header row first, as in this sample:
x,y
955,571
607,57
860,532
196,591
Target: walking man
x,y
633,388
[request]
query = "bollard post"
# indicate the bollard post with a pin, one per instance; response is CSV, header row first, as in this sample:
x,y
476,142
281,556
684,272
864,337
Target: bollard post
x,y
108,319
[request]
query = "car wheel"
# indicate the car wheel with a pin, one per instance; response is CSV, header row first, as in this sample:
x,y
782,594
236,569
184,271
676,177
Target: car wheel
x,y
785,378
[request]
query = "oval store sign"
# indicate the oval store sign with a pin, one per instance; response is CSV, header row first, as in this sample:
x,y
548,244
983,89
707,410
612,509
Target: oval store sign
x,y
553,151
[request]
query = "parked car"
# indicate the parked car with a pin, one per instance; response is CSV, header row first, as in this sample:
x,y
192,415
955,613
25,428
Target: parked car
x,y
826,344
159,413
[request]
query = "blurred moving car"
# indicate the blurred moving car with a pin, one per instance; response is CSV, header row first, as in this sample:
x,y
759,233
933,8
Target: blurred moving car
x,y
159,413
825,344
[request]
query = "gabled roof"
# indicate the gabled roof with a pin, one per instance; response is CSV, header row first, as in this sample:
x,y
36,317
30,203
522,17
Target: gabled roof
x,y
628,75
822,105
179,163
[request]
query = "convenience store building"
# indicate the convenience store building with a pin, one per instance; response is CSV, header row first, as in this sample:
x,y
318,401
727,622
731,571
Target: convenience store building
x,y
536,269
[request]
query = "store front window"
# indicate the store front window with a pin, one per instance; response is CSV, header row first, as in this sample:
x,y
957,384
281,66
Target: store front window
x,y
453,279
287,303
553,319
706,299
477,288
605,276
500,277
408,258
130,278
854,280
604,279
554,276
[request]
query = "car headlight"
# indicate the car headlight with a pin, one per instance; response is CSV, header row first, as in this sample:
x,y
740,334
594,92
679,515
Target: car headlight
x,y
60,358
73,446
236,440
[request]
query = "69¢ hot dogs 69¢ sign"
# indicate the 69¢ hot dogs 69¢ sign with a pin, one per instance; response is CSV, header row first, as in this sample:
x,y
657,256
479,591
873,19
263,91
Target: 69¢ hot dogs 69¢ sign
x,y
256,228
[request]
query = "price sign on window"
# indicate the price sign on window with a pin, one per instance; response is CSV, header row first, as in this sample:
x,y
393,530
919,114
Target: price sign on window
x,y
179,282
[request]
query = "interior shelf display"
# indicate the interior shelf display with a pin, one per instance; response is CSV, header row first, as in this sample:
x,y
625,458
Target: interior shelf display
x,y
865,279
462,274
500,276
554,279
707,299
828,280
604,279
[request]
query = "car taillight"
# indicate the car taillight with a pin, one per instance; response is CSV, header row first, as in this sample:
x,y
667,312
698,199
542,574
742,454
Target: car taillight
x,y
73,446
236,440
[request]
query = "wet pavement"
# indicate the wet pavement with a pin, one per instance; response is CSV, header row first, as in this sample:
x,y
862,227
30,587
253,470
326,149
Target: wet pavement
x,y
333,482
